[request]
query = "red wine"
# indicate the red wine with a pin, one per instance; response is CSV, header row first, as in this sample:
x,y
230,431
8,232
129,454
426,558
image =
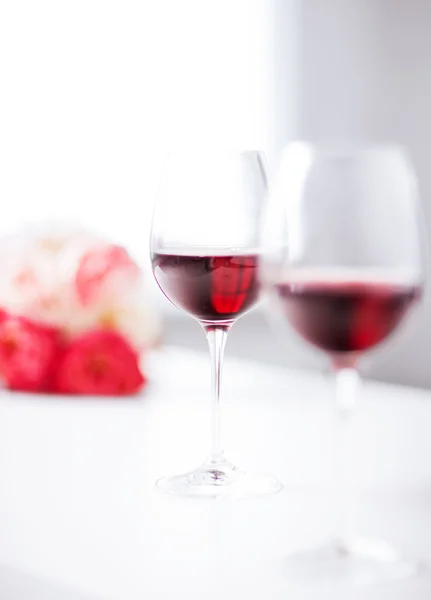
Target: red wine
x,y
345,317
211,288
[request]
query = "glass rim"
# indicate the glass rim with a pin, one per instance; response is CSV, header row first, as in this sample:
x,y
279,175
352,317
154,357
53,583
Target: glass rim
x,y
344,148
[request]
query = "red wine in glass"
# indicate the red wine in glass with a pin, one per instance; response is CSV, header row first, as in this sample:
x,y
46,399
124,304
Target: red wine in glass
x,y
345,317
210,287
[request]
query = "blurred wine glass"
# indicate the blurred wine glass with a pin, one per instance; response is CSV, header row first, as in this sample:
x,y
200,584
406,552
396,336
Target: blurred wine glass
x,y
343,266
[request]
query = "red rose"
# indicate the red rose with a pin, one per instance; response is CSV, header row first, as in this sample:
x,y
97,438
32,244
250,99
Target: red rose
x,y
98,267
27,353
99,362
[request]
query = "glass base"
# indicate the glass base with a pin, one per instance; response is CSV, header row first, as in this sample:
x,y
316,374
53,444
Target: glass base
x,y
358,561
212,480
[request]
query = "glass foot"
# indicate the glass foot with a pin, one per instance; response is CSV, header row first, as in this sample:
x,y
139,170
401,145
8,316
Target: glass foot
x,y
212,480
357,562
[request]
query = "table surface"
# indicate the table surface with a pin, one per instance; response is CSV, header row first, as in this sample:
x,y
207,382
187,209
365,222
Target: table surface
x,y
78,507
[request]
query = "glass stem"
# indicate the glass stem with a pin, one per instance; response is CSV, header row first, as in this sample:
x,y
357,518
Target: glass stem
x,y
216,336
347,382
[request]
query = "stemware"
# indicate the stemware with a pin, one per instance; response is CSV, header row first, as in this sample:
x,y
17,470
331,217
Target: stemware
x,y
343,266
205,258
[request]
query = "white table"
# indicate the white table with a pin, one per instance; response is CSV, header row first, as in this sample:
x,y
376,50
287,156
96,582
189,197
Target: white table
x,y
78,506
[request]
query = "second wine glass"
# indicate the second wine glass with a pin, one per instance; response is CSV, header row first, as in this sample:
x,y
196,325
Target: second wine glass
x,y
205,259
344,267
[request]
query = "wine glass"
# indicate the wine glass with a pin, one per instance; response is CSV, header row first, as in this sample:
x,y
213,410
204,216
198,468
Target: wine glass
x,y
204,252
343,265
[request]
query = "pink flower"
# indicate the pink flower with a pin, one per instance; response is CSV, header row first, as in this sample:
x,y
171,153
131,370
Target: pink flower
x,y
112,292
37,276
99,362
27,353
74,283
105,270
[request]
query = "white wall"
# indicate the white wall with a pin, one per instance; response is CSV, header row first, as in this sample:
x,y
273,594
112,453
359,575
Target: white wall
x,y
94,93
366,74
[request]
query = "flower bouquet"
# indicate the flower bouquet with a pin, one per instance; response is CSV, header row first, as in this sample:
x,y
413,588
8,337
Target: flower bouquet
x,y
75,315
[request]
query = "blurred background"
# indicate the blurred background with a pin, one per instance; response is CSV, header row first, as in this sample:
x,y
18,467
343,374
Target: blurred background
x,y
94,93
